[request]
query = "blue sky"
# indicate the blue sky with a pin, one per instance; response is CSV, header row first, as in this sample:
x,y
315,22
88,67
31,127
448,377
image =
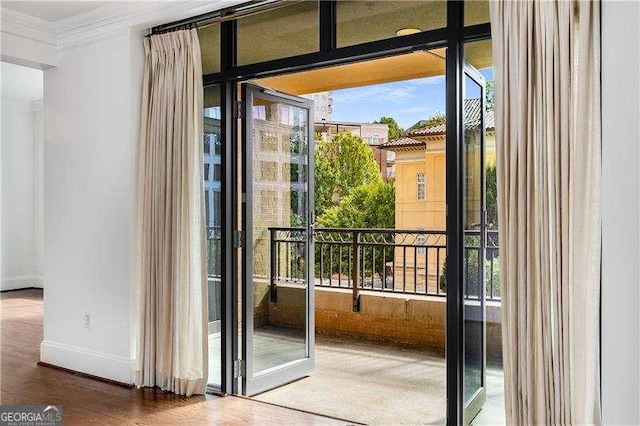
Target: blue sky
x,y
407,101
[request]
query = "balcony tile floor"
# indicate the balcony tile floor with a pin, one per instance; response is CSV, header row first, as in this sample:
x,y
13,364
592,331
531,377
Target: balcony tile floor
x,y
374,383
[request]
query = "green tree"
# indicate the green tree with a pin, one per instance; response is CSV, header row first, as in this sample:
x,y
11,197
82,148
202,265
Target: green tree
x,y
341,164
395,131
491,197
435,119
370,205
490,94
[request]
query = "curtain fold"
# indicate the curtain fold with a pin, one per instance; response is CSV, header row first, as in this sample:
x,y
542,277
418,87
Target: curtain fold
x,y
547,110
171,280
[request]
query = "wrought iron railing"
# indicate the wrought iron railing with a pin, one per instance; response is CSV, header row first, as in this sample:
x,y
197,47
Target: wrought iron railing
x,y
380,260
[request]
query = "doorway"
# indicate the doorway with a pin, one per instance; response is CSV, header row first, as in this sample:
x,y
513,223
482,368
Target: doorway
x,y
331,45
279,225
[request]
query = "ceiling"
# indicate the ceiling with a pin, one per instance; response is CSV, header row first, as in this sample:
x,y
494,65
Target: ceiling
x,y
402,67
420,64
53,10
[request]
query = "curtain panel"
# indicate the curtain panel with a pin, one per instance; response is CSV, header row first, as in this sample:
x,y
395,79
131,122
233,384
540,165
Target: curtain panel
x,y
171,292
547,99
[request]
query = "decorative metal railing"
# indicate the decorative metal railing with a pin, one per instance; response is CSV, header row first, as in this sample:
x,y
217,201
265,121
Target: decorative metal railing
x,y
381,260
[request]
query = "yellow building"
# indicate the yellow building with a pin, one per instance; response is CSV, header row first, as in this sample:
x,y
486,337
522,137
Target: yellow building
x,y
420,169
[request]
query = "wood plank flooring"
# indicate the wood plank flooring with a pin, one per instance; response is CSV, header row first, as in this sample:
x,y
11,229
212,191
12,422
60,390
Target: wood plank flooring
x,y
89,401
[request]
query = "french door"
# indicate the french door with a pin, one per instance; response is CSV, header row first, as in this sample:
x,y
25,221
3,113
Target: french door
x,y
474,242
277,220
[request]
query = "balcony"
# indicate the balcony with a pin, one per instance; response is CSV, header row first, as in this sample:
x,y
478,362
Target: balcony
x,y
400,283
380,313
400,280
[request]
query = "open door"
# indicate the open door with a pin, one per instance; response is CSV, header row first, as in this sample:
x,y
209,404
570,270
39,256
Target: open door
x,y
277,268
473,279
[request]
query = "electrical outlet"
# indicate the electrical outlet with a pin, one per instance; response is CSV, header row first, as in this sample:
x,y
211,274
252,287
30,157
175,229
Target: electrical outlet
x,y
87,320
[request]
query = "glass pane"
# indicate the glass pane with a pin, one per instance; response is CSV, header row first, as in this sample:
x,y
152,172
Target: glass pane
x,y
478,53
473,259
476,12
279,33
209,38
280,211
213,206
364,21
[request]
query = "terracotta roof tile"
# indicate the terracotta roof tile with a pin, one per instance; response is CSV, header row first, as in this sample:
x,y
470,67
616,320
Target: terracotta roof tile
x,y
403,141
472,110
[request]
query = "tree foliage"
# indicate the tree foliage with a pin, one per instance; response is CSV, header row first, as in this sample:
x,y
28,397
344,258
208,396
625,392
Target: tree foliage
x,y
371,205
342,164
490,95
395,131
491,197
437,118
434,120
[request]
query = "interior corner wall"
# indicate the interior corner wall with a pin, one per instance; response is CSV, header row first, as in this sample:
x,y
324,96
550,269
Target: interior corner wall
x,y
91,103
620,213
21,205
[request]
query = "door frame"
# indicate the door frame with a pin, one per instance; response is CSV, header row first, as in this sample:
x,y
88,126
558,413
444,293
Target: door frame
x,y
254,383
477,401
453,36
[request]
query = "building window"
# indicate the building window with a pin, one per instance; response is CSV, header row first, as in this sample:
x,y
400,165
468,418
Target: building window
x,y
207,143
217,145
217,173
217,208
207,208
421,187
206,172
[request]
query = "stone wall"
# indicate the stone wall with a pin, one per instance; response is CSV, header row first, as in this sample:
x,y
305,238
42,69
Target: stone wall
x,y
411,320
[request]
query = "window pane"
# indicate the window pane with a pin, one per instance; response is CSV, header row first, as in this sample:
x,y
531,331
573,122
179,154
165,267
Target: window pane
x,y
364,21
279,33
213,205
476,12
422,187
209,37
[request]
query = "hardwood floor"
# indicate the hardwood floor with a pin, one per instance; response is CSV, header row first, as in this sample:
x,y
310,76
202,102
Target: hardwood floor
x,y
89,401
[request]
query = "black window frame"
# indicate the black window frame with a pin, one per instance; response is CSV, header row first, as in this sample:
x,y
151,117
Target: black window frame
x,y
452,37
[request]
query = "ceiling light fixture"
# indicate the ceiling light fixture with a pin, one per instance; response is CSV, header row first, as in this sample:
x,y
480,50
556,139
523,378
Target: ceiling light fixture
x,y
408,31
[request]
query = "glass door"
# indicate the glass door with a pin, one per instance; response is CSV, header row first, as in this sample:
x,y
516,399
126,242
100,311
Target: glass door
x,y
277,283
473,258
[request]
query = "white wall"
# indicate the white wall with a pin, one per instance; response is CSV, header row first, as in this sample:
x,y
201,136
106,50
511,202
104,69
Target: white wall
x,y
91,107
621,213
92,102
21,166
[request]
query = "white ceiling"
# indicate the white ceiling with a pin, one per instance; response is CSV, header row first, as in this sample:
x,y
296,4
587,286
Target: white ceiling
x,y
53,10
21,83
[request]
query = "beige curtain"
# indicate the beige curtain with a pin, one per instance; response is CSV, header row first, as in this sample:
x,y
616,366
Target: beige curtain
x,y
171,263
547,98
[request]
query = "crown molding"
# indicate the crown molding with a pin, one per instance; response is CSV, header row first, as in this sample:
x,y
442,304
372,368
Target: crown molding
x,y
27,26
114,19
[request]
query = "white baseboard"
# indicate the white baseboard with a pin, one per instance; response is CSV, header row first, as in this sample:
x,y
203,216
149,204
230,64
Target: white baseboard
x,y
84,361
16,283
